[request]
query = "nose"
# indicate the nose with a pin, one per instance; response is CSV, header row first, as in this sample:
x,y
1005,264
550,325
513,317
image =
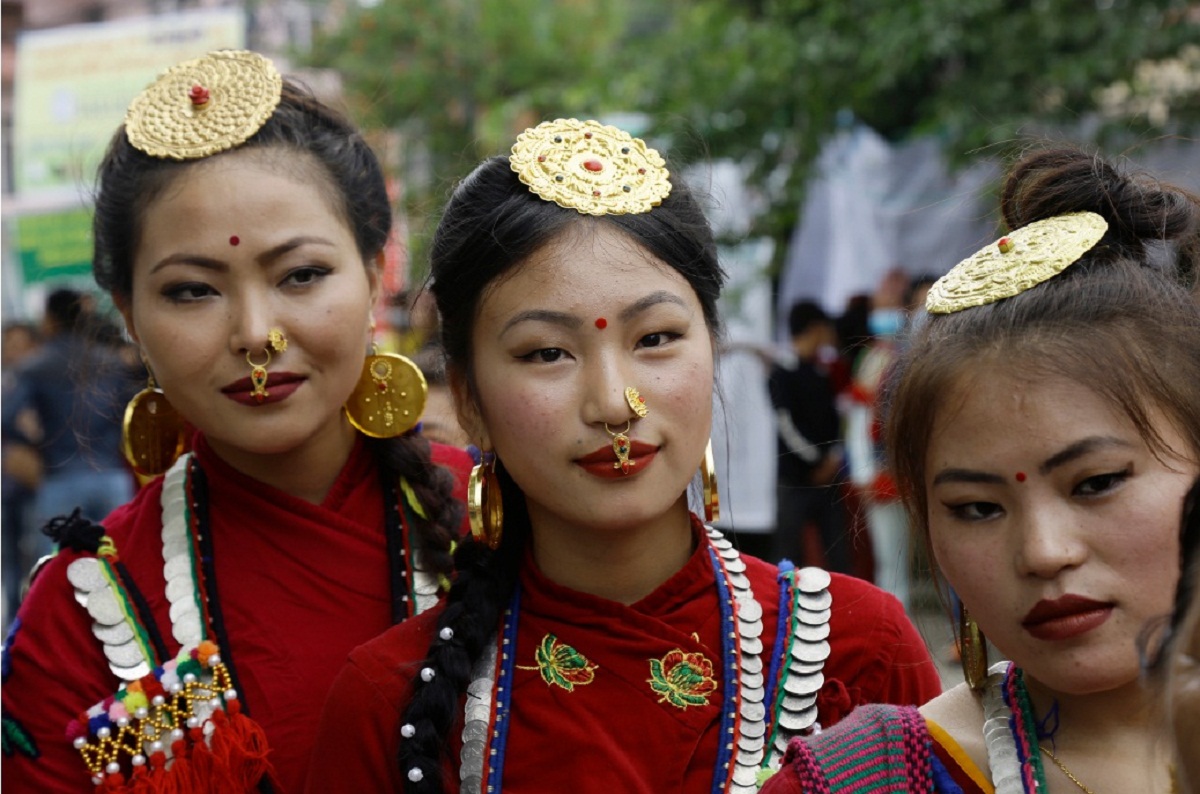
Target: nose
x,y
251,322
1049,542
605,398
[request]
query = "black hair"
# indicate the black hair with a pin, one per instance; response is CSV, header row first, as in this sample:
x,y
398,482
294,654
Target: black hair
x,y
1120,320
64,307
492,223
803,315
129,181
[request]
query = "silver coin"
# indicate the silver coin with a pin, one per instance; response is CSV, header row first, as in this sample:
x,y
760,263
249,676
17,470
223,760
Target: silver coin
x,y
130,673
85,574
114,634
471,783
812,580
472,754
103,608
127,654
814,602
798,703
423,585
745,775
175,545
753,711
735,565
751,663
804,684
188,633
750,629
797,722
750,744
751,758
749,609
804,668
179,588
813,618
474,731
739,580
808,633
753,729
752,645
478,712
752,680
810,651
179,565
480,688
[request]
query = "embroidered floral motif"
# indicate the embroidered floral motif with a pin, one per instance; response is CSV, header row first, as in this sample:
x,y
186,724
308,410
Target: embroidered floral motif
x,y
683,679
15,739
561,665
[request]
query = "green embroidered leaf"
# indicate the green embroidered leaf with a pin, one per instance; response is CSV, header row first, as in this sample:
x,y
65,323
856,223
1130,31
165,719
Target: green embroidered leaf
x,y
15,739
563,666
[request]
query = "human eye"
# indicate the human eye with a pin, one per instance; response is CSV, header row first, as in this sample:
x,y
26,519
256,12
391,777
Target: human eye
x,y
304,276
1100,484
544,355
658,338
188,292
974,511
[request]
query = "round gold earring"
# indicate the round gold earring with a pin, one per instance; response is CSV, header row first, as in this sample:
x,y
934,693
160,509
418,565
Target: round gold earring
x,y
389,397
485,504
708,485
153,433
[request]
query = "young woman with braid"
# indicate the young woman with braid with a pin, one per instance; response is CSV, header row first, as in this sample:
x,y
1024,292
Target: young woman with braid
x,y
1044,428
239,227
598,637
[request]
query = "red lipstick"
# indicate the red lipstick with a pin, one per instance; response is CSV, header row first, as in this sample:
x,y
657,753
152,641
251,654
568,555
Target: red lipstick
x,y
1066,617
280,386
603,462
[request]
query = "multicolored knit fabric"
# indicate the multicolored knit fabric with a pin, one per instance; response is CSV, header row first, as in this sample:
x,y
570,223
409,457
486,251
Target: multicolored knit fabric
x,y
877,748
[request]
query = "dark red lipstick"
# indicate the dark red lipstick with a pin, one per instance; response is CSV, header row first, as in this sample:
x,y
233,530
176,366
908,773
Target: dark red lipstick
x,y
1066,617
280,386
603,462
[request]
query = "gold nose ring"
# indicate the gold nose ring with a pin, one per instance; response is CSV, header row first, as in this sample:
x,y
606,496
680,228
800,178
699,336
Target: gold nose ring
x,y
258,375
620,446
637,403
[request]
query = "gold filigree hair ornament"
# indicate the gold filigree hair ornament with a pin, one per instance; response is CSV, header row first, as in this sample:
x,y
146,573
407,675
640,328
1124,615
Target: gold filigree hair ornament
x,y
201,107
1014,263
590,167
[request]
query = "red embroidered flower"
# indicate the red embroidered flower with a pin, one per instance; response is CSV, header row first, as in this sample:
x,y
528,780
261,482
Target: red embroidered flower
x,y
683,679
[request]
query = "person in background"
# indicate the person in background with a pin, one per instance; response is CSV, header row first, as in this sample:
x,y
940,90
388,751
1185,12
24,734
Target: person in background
x,y
808,488
22,466
186,643
599,636
1044,431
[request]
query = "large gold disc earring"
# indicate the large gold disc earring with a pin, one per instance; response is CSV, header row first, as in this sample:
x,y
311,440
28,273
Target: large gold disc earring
x,y
485,504
708,485
389,396
153,433
972,650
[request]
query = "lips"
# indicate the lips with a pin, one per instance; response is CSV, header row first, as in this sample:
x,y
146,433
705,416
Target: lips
x,y
1066,617
280,386
601,462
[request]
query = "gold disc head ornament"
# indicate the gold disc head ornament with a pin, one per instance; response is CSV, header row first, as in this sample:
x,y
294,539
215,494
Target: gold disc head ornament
x,y
1014,263
593,168
204,106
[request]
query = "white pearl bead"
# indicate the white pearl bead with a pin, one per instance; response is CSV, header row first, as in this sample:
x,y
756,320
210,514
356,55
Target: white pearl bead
x,y
79,742
214,660
427,674
113,768
446,634
416,775
176,688
156,747
104,733
215,703
138,760
177,734
142,713
193,722
158,700
98,780
231,694
190,678
408,731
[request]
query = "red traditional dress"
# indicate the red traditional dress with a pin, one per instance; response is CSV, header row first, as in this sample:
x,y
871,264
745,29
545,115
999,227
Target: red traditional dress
x,y
591,695
297,585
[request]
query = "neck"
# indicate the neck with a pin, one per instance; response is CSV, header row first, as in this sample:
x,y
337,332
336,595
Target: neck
x,y
1106,737
623,565
306,472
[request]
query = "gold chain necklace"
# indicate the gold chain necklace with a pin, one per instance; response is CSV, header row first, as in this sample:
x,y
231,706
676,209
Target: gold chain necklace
x,y
1065,771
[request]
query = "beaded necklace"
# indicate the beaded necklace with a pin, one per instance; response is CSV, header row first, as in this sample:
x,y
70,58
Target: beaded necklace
x,y
744,707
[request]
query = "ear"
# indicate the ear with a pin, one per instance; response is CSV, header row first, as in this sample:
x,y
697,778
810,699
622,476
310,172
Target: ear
x,y
467,410
125,306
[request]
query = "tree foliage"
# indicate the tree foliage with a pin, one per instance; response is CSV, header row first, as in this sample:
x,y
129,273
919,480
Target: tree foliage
x,y
763,82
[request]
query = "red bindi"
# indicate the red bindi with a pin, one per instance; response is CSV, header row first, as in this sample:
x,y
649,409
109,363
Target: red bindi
x,y
1020,476
601,323
234,240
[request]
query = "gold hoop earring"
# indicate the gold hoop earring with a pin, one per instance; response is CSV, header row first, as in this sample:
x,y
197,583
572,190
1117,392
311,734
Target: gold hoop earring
x,y
708,485
485,504
258,375
153,433
972,650
389,397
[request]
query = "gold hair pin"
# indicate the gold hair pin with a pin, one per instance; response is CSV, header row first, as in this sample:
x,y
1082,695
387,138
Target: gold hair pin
x,y
1014,263
590,167
204,106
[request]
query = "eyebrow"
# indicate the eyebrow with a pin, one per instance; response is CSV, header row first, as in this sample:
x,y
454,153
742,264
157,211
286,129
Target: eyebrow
x,y
265,258
1072,452
571,321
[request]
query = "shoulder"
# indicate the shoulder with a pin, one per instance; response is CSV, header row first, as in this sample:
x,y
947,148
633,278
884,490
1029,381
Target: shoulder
x,y
390,661
959,713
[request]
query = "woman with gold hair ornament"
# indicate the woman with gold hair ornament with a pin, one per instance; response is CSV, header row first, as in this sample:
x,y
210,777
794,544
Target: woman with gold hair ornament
x,y
1044,428
239,228
599,636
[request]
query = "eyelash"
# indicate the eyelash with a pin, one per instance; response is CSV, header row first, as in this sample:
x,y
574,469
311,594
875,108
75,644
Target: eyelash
x,y
187,292
179,293
1107,482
